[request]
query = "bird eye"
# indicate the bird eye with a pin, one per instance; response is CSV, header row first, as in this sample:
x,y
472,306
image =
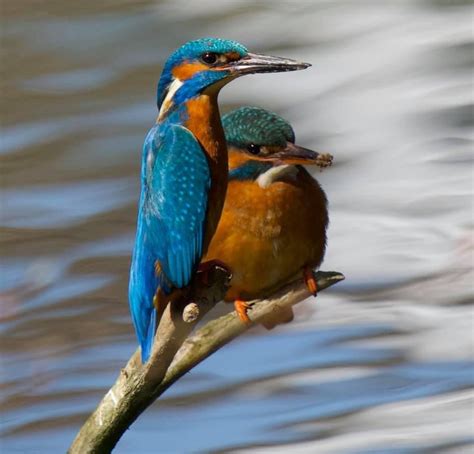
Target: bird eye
x,y
209,58
254,149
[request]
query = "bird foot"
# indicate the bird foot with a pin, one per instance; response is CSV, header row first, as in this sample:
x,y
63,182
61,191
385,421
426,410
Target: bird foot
x,y
310,281
241,307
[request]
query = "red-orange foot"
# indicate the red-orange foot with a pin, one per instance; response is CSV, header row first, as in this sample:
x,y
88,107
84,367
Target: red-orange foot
x,y
241,307
310,281
205,268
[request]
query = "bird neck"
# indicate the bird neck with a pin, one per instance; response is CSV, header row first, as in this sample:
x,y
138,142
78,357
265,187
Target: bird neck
x,y
179,91
203,120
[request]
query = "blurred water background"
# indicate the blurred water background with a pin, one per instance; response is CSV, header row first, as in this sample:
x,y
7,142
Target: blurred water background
x,y
381,363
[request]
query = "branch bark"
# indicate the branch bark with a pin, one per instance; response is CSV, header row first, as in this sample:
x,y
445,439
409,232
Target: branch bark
x,y
176,352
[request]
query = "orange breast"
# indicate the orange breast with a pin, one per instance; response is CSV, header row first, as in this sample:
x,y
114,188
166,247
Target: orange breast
x,y
267,235
204,122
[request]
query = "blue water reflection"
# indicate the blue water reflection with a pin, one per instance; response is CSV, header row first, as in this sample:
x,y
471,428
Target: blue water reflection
x,y
382,363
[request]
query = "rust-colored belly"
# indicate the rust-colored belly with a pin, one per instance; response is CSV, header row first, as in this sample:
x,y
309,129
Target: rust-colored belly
x,y
266,236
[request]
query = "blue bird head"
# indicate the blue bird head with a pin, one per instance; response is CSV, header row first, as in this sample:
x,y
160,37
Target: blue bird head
x,y
208,63
264,136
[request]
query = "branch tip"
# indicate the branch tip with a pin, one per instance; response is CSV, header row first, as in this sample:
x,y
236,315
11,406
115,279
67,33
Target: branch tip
x,y
191,312
176,351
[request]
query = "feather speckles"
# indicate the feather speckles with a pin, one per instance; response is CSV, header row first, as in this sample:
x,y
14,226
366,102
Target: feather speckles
x,y
175,202
255,125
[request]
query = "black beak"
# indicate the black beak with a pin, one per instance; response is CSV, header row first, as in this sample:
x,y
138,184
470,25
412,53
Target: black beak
x,y
256,63
294,154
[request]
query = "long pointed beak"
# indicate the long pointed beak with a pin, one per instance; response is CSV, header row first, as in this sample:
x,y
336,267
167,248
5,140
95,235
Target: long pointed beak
x,y
256,63
294,154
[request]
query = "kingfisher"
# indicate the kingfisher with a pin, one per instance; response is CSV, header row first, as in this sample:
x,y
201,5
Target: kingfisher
x,y
274,221
184,174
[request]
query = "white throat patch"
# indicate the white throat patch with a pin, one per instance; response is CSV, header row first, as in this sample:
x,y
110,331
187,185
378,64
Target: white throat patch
x,y
168,101
274,173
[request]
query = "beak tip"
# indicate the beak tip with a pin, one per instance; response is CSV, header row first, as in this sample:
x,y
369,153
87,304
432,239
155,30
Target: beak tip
x,y
299,66
258,63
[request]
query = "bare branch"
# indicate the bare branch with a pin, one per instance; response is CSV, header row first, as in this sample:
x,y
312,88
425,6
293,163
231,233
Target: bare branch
x,y
136,386
172,356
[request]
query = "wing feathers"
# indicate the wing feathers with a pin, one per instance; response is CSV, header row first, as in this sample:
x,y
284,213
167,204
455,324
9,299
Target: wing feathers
x,y
171,222
179,188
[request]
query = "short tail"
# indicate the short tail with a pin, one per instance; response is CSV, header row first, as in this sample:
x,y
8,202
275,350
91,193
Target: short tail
x,y
142,286
149,292
148,297
144,321
146,318
146,342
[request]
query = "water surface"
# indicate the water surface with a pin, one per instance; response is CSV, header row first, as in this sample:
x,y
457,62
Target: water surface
x,y
381,363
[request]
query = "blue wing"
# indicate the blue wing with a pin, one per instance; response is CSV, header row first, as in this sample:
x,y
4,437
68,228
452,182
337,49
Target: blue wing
x,y
173,203
141,288
178,179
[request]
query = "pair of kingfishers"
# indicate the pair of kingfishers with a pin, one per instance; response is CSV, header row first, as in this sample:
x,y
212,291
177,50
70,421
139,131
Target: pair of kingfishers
x,y
273,224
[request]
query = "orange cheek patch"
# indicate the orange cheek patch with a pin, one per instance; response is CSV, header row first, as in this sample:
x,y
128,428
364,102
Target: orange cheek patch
x,y
236,158
187,70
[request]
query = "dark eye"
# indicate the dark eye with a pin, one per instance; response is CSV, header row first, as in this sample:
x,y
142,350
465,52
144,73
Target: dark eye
x,y
209,58
254,149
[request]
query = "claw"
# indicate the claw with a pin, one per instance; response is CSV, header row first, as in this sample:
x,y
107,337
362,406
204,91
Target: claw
x,y
241,307
310,281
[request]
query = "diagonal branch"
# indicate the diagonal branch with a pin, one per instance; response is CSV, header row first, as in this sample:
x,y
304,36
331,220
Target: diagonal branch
x,y
175,353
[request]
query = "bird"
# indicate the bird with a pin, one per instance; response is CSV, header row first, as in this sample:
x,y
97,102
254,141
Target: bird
x,y
273,225
184,174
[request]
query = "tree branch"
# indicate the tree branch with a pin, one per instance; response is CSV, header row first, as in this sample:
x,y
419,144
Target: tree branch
x,y
174,354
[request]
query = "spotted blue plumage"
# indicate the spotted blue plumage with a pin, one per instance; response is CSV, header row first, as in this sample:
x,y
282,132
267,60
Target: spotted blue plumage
x,y
178,181
176,177
247,125
175,183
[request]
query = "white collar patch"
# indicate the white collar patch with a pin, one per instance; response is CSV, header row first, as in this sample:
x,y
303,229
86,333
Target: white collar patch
x,y
274,173
168,101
